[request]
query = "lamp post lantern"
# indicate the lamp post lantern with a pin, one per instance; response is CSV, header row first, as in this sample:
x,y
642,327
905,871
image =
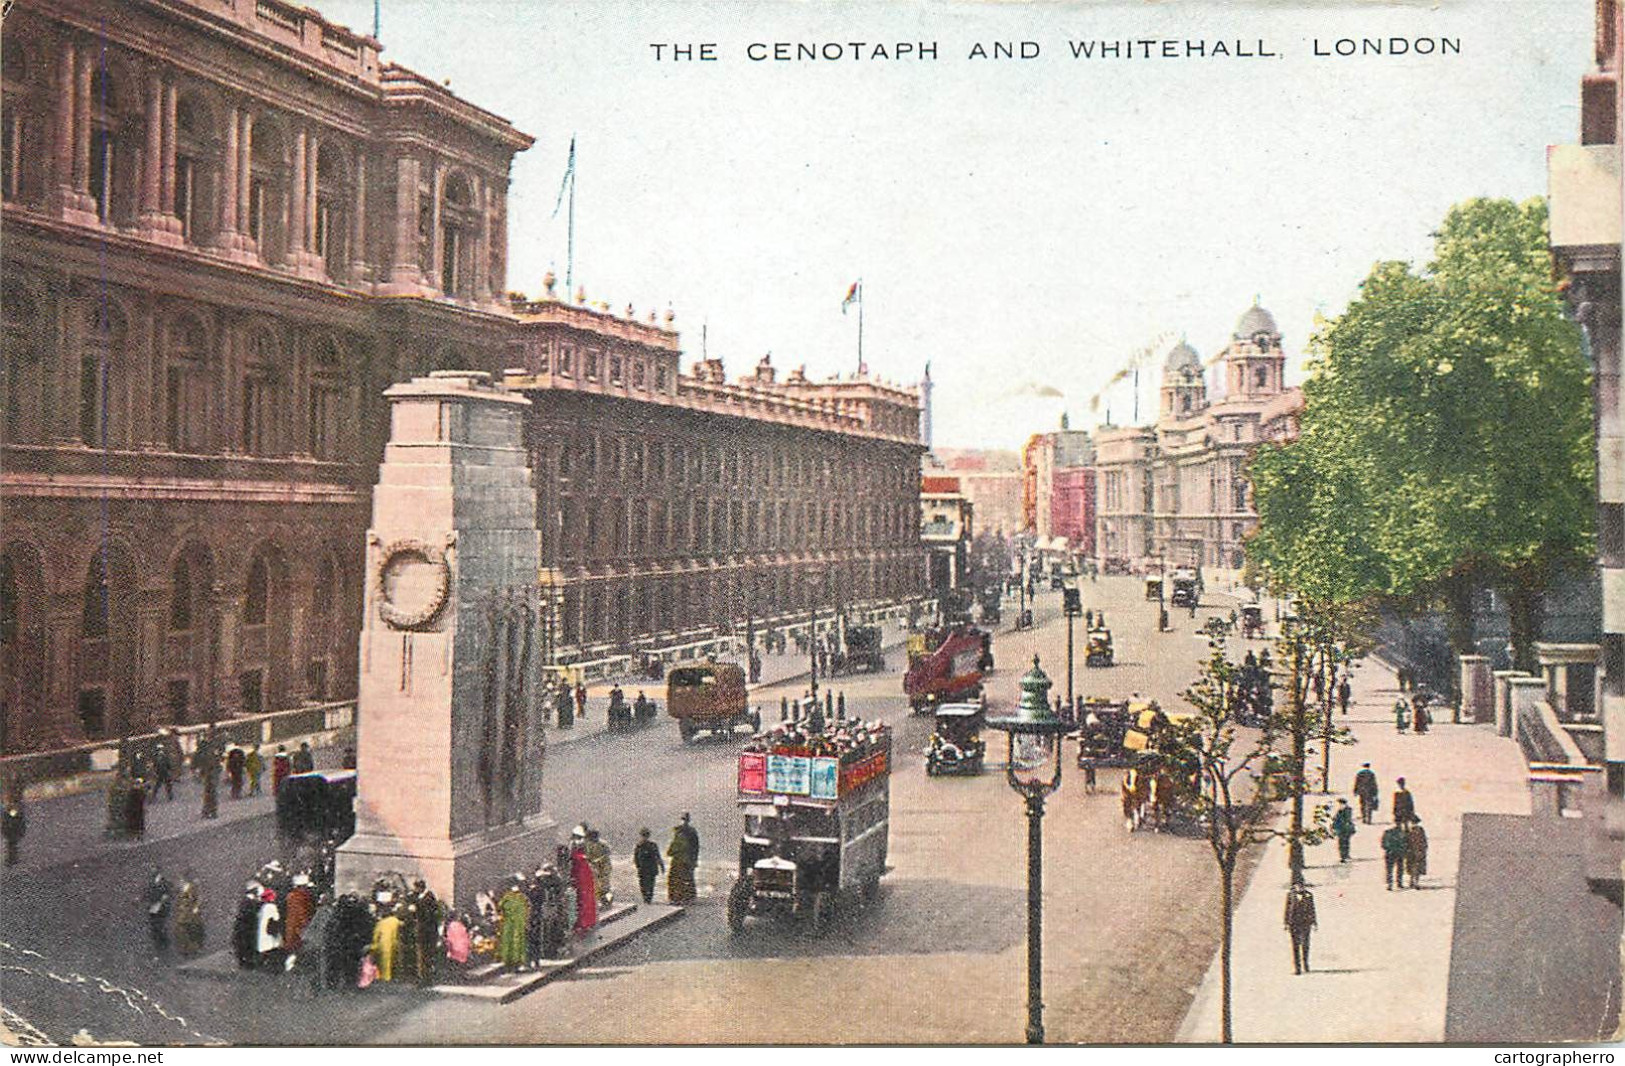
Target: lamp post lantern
x,y
1033,769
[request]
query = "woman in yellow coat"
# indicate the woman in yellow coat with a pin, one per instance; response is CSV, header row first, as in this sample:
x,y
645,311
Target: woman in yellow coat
x,y
385,939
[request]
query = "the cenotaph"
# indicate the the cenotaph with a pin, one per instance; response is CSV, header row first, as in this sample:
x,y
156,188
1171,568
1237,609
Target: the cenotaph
x,y
449,738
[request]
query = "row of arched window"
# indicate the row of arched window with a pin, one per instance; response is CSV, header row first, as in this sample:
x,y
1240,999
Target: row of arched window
x,y
226,173
110,405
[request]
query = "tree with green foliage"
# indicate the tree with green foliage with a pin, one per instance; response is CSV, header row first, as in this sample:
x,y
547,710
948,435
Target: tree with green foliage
x,y
1446,439
1236,776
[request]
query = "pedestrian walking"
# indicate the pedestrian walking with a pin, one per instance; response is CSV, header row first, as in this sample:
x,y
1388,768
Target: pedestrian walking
x,y
236,766
1089,777
1402,715
304,760
684,855
1404,804
1343,829
281,767
581,701
565,708
513,921
1300,922
646,858
597,853
1367,792
188,917
158,898
13,826
163,771
1345,691
1416,852
1393,856
1421,717
254,766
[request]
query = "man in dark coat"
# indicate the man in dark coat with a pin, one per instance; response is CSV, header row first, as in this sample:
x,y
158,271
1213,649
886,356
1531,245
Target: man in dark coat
x,y
581,701
304,760
566,709
1343,829
13,825
1367,792
354,923
1344,692
1300,920
158,898
646,857
556,913
536,923
236,767
163,771
1416,852
1404,805
1393,855
245,928
426,917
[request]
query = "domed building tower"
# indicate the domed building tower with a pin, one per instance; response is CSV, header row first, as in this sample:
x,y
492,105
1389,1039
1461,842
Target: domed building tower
x,y
1253,361
1184,386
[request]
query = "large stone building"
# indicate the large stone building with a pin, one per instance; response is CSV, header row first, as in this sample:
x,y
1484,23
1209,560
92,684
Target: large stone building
x,y
1176,492
676,505
1585,225
228,227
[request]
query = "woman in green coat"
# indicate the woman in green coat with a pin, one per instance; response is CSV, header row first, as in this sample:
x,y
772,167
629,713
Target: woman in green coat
x,y
513,916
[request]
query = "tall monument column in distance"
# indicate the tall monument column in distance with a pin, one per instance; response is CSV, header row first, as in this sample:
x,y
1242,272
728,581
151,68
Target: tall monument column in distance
x,y
449,736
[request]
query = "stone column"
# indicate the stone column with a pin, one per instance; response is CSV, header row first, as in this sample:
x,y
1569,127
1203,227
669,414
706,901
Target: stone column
x,y
482,254
404,276
358,220
168,205
84,65
232,158
436,250
311,154
62,156
1477,694
245,173
1526,692
296,198
153,152
1502,683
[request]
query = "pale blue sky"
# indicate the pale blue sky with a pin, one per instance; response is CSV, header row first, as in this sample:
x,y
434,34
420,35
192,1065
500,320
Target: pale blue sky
x,y
1015,222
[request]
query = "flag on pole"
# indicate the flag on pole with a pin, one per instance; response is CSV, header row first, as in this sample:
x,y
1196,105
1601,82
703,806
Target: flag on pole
x,y
854,295
569,177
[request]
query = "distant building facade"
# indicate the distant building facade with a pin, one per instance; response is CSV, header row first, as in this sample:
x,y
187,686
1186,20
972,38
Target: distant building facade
x,y
991,480
1176,492
1055,467
947,526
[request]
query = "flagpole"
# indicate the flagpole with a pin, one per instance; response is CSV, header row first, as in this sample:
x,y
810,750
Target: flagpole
x,y
570,241
860,325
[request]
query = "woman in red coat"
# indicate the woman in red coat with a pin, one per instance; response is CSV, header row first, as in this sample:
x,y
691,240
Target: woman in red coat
x,y
281,766
581,875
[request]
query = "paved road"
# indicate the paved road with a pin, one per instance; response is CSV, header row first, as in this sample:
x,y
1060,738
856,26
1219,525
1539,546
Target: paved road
x,y
1129,918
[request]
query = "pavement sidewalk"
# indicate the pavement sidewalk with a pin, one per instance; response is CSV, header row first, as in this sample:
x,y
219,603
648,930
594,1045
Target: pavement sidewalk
x,y
1381,959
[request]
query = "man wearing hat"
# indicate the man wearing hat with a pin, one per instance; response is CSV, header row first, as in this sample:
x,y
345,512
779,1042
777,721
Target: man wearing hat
x,y
646,857
1367,792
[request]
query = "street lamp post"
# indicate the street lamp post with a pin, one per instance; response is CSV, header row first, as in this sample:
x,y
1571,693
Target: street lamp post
x,y
1072,604
1033,768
